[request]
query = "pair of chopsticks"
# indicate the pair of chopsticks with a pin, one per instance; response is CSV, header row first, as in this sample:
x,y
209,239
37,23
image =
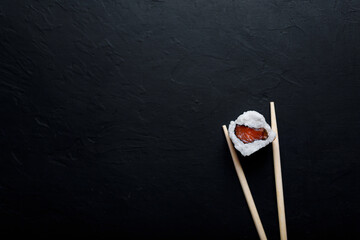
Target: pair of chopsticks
x,y
278,181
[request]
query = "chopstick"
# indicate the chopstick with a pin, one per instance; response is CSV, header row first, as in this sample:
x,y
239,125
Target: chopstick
x,y
278,177
245,186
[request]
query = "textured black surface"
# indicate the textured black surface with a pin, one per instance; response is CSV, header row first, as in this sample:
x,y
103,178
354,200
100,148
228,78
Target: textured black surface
x,y
111,115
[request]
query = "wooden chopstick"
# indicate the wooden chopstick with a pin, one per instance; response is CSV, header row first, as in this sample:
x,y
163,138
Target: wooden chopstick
x,y
245,187
278,177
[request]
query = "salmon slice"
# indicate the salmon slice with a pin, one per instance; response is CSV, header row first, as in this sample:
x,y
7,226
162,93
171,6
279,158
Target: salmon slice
x,y
249,135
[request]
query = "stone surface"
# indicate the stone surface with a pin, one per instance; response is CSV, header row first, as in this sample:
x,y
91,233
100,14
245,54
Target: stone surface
x,y
111,115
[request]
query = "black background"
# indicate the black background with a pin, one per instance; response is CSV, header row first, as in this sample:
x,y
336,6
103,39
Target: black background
x,y
111,115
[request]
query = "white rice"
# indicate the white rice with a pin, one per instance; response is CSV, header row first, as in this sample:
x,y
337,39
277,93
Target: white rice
x,y
251,119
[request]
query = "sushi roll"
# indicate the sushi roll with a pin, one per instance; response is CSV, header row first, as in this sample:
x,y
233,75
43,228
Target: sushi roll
x,y
250,132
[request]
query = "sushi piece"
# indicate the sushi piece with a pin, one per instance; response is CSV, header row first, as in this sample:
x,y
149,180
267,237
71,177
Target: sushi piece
x,y
250,132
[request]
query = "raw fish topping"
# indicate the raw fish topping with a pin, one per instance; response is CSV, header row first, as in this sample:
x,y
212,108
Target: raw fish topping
x,y
249,135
